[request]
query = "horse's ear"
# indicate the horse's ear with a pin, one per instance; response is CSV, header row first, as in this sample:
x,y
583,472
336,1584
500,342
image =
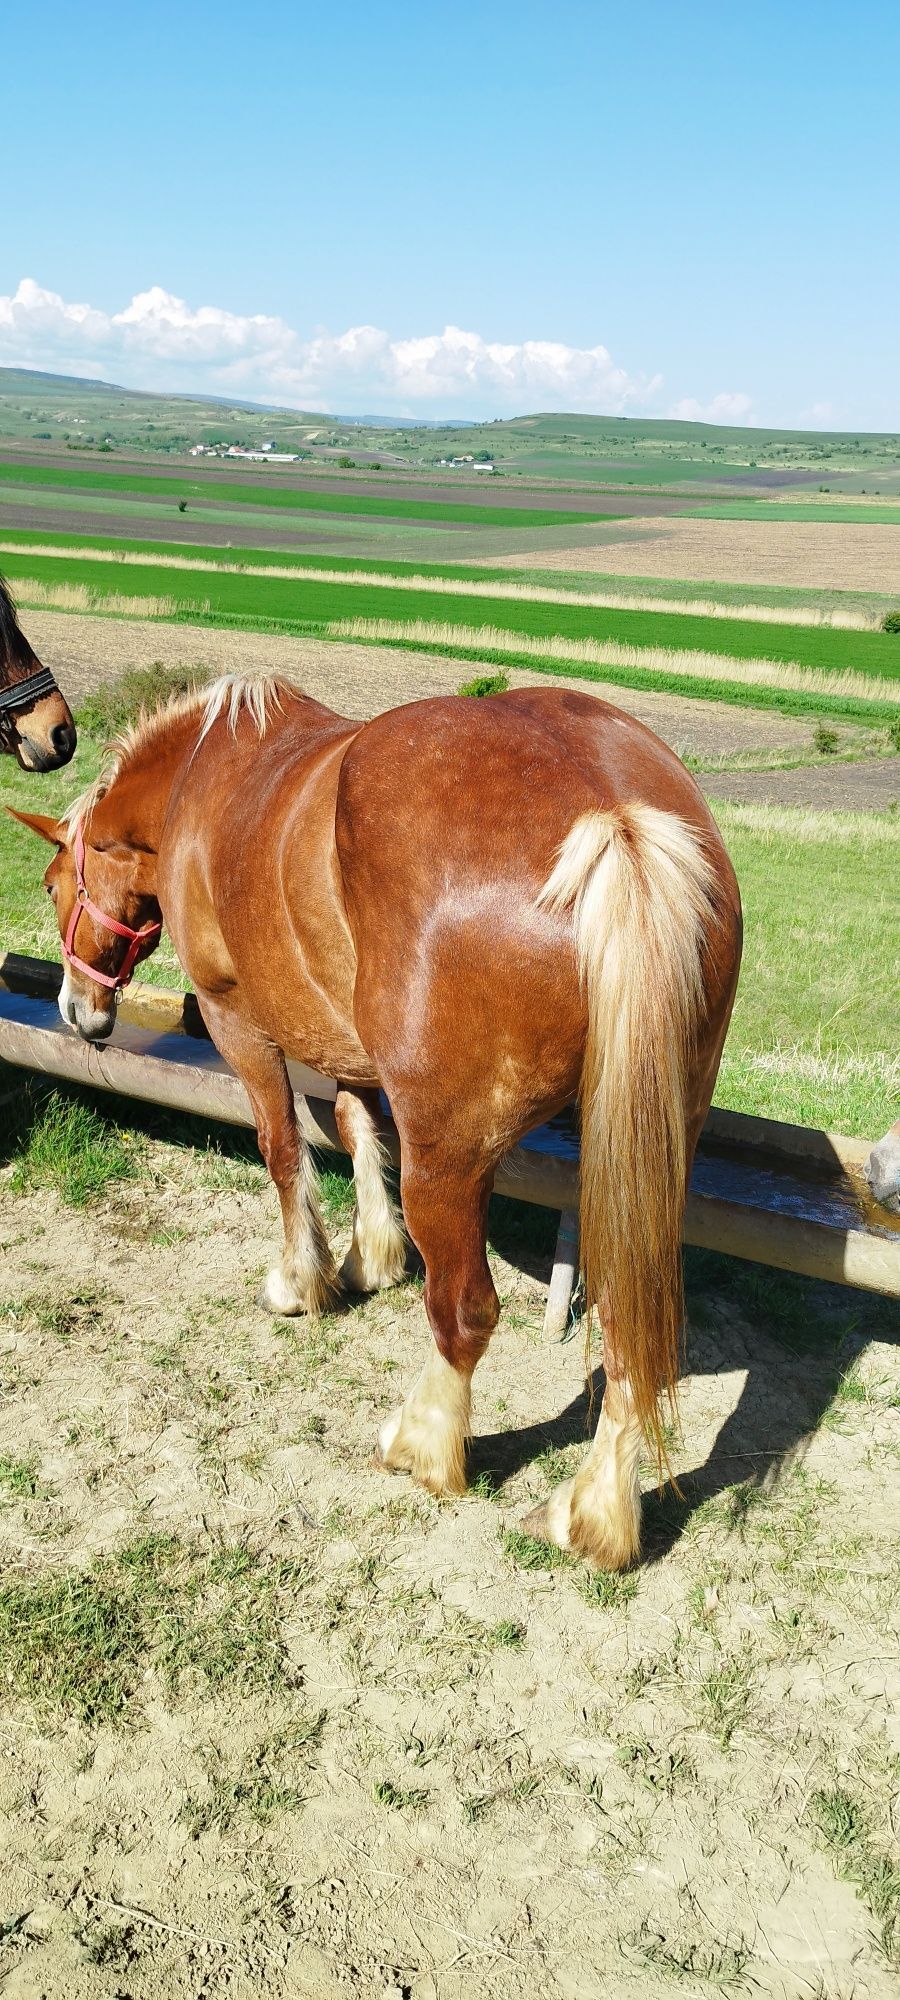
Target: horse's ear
x,y
49,829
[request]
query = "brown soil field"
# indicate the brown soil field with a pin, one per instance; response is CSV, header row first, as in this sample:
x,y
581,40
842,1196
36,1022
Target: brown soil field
x,y
361,680
327,534
861,787
273,1723
814,555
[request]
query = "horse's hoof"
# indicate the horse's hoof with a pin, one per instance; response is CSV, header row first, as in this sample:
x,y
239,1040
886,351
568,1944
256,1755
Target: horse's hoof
x,y
550,1521
274,1296
536,1524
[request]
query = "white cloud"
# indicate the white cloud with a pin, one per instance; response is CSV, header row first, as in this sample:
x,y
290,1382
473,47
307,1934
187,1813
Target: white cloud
x,y
159,342
726,408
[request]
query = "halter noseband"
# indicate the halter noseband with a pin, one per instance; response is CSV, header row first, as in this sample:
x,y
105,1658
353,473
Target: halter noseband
x,y
83,902
22,694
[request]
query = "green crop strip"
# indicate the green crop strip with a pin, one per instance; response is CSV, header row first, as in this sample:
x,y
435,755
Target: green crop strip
x,y
284,600
772,510
302,502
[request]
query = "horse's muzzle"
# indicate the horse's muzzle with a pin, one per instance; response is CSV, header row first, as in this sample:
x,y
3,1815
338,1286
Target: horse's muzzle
x,y
91,1023
49,755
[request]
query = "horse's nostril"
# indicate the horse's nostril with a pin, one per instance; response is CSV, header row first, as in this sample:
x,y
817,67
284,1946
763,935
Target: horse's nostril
x,y
63,740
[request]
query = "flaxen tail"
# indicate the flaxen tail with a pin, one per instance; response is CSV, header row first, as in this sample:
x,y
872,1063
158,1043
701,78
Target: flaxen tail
x,y
643,894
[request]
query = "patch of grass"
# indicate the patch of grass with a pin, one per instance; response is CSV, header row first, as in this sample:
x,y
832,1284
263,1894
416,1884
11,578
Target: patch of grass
x,y
336,1190
19,1477
608,1590
725,1694
397,1799
826,740
485,684
274,1780
711,1961
117,704
527,1553
662,1771
507,1633
81,1642
66,1316
72,1148
813,1037
843,1825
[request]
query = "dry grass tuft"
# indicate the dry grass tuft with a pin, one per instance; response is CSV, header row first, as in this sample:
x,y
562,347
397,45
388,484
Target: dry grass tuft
x,y
37,596
779,824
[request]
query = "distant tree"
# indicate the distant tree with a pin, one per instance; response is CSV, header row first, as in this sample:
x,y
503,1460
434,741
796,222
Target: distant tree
x,y
347,463
182,506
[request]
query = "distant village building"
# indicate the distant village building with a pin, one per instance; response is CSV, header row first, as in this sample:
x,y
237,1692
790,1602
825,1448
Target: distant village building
x,y
265,454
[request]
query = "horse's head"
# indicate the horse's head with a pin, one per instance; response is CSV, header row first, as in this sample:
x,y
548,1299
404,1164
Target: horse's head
x,y
104,892
35,722
882,1169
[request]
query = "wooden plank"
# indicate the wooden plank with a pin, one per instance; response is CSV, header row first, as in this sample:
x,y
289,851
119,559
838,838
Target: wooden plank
x,y
848,1245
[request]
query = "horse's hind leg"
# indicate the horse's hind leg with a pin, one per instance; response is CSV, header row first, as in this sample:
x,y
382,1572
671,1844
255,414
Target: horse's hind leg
x,y
305,1280
598,1513
377,1254
446,1216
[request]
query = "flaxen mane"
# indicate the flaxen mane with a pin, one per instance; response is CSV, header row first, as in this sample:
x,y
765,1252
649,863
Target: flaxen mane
x,y
259,696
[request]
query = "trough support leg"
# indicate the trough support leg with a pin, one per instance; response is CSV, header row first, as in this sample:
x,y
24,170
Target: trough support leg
x,y
562,1281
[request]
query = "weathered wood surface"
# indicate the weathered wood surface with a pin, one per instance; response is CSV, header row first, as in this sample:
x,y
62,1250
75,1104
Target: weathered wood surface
x,y
801,1201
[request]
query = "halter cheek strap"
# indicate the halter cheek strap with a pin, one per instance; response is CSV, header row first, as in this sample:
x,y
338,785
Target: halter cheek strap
x,y
23,693
150,934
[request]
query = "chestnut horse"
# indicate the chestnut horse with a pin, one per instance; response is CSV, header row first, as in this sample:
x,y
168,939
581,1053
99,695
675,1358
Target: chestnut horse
x,y
35,722
485,908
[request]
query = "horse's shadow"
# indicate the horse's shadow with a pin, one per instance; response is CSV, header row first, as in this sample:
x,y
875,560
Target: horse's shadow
x,y
795,1340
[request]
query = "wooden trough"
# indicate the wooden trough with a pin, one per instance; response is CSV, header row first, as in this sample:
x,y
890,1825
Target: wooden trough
x,y
777,1194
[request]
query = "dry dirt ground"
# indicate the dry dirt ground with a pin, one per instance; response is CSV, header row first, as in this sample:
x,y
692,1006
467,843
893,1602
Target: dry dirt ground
x,y
361,680
828,787
272,1722
810,555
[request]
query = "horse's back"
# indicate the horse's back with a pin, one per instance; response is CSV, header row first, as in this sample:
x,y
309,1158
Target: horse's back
x,y
450,815
497,783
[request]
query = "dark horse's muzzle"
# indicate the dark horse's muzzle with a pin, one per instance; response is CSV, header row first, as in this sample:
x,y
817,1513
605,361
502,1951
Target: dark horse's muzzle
x,y
36,722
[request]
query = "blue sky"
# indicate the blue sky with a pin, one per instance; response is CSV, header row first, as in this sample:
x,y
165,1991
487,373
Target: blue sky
x,y
659,209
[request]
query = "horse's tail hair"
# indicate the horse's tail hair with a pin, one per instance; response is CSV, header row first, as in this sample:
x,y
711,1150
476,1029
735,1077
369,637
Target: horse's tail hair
x,y
643,893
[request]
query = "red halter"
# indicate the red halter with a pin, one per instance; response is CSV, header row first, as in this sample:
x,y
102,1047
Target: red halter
x,y
83,902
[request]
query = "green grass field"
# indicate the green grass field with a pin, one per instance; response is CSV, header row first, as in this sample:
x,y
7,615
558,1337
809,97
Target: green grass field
x,y
352,501
814,1035
282,600
583,583
848,515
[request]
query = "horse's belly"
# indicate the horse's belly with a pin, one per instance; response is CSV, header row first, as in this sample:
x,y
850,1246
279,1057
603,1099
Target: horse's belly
x,y
309,1024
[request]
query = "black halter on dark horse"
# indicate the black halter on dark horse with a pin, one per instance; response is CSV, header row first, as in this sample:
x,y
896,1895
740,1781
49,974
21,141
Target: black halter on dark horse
x,y
35,721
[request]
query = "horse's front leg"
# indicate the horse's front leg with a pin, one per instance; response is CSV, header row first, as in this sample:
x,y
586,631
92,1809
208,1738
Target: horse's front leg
x,y
305,1280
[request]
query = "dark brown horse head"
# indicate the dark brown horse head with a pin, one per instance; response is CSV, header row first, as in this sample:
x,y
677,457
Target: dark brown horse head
x,y
36,724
